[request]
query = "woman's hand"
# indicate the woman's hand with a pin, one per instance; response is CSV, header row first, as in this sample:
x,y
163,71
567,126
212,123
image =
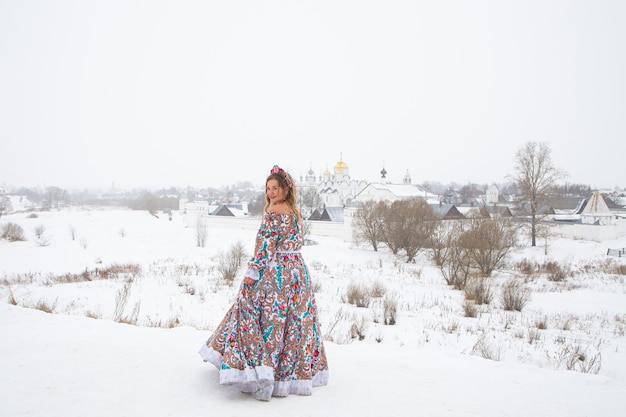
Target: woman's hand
x,y
249,281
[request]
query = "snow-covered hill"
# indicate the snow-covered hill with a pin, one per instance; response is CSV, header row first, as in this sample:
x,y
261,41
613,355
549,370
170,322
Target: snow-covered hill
x,y
78,361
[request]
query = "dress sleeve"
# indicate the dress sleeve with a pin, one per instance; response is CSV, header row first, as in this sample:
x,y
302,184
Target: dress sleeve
x,y
266,241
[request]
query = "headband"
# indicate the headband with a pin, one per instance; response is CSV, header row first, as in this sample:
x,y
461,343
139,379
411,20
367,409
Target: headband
x,y
278,170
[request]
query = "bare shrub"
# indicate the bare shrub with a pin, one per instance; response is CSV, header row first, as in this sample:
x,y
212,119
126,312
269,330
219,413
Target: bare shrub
x,y
527,267
41,237
470,309
456,268
514,295
619,269
46,307
12,299
72,231
121,301
378,289
390,311
229,262
12,232
93,315
542,323
486,349
358,328
479,289
339,316
357,294
133,316
577,358
453,260
443,237
555,271
534,335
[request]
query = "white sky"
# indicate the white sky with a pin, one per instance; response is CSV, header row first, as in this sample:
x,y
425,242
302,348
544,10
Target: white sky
x,y
159,93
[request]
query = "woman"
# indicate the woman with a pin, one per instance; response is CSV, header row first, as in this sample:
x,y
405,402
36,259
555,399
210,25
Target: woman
x,y
270,342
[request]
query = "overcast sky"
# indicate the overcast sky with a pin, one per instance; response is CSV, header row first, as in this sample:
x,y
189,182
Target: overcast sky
x,y
175,93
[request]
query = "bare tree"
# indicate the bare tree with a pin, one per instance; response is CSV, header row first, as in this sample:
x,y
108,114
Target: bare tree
x,y
487,242
256,205
408,224
452,259
310,199
469,192
368,222
229,262
56,197
201,232
421,221
5,205
535,176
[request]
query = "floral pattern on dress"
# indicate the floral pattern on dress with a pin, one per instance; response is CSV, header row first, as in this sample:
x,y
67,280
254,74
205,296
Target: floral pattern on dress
x,y
269,341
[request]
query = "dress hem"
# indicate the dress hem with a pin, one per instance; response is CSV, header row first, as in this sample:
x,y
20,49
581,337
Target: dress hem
x,y
260,377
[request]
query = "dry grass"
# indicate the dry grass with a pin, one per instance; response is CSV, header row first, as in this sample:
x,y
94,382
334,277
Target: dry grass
x,y
470,309
45,306
357,294
125,271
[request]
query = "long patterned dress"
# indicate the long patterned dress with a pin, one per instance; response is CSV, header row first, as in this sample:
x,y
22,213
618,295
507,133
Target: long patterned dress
x,y
269,341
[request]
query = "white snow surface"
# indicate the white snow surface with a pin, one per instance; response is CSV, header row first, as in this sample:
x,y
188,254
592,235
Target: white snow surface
x,y
77,361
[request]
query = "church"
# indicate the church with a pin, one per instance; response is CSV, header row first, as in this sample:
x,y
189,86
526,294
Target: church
x,y
337,189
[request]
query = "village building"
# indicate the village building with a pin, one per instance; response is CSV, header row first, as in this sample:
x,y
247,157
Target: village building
x,y
194,207
385,191
492,195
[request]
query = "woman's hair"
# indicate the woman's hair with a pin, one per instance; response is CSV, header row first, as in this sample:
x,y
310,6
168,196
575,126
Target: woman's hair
x,y
286,182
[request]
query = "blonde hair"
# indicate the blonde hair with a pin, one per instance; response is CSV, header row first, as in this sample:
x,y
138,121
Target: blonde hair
x,y
286,183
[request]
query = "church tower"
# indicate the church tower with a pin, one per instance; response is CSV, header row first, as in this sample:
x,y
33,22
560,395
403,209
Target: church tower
x,y
341,170
407,178
310,176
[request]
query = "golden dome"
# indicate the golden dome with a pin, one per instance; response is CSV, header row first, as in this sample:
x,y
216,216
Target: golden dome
x,y
341,165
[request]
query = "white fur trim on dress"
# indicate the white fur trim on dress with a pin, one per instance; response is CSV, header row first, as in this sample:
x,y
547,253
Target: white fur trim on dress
x,y
211,355
249,379
300,386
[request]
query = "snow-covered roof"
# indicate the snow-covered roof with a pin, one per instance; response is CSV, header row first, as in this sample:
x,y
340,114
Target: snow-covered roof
x,y
400,190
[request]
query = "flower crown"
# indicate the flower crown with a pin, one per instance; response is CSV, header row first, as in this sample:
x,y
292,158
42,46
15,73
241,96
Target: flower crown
x,y
278,170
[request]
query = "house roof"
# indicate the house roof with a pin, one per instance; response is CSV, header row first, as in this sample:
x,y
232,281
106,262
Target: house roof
x,y
401,190
446,211
225,210
596,205
316,215
332,214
